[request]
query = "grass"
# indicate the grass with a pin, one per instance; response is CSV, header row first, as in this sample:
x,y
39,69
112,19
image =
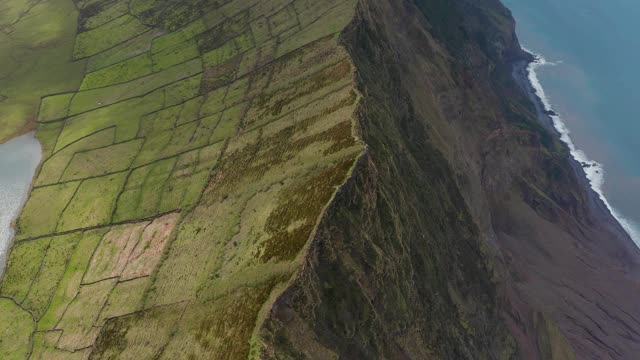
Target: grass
x,y
181,140
16,326
96,98
228,124
54,107
225,97
79,318
260,29
45,284
289,149
188,180
22,267
183,90
203,131
36,220
290,223
111,256
175,55
34,59
92,203
236,93
283,20
102,161
127,70
138,336
126,298
213,103
44,348
183,188
106,36
251,59
190,110
244,42
153,146
159,121
302,62
121,52
272,105
173,39
215,211
47,134
70,282
168,15
219,329
53,167
124,116
221,54
164,140
139,6
146,255
141,195
333,20
114,10
208,157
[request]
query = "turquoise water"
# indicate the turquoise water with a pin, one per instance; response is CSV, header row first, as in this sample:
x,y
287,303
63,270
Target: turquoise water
x,y
18,161
592,48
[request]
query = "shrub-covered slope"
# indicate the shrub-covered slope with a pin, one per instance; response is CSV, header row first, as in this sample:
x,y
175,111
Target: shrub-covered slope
x,y
466,232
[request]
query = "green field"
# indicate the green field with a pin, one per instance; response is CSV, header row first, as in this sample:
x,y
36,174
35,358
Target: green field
x,y
187,161
36,41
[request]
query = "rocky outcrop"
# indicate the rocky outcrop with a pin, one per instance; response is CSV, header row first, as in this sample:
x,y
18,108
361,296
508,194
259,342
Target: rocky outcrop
x,y
467,231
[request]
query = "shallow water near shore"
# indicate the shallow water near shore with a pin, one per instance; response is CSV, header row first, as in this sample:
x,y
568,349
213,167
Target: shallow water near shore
x,y
19,159
590,78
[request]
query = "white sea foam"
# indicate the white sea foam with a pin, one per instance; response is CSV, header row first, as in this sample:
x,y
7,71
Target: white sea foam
x,y
593,170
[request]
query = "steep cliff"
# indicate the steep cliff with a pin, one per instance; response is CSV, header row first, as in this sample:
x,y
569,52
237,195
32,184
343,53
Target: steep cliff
x,y
309,179
466,231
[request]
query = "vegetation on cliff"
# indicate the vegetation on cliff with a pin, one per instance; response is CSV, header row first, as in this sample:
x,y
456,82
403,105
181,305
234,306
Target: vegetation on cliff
x,y
297,179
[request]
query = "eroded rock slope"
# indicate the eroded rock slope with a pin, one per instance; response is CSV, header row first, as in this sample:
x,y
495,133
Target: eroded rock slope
x,y
466,231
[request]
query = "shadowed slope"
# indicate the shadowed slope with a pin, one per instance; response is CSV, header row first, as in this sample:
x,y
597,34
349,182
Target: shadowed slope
x,y
467,232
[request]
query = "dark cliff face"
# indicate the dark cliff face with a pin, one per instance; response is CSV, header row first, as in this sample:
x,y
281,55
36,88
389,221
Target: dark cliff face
x,y
466,231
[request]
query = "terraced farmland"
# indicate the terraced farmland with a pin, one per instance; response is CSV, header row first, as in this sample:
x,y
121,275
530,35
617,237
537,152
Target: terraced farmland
x,y
36,43
183,177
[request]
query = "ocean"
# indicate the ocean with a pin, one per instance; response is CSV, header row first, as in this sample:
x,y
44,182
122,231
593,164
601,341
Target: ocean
x,y
18,161
587,72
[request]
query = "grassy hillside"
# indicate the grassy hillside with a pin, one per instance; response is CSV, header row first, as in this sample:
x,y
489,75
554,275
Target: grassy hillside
x,y
36,43
185,169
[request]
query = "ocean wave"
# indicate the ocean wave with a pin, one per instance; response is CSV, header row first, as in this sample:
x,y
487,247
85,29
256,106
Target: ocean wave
x,y
594,171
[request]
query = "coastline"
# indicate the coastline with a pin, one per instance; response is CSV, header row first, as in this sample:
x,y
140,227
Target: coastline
x,y
590,173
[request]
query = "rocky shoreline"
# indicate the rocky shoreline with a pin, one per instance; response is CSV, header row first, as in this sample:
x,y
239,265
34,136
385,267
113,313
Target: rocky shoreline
x,y
521,76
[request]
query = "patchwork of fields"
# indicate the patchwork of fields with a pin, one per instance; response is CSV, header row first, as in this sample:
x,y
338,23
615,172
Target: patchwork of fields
x,y
182,177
